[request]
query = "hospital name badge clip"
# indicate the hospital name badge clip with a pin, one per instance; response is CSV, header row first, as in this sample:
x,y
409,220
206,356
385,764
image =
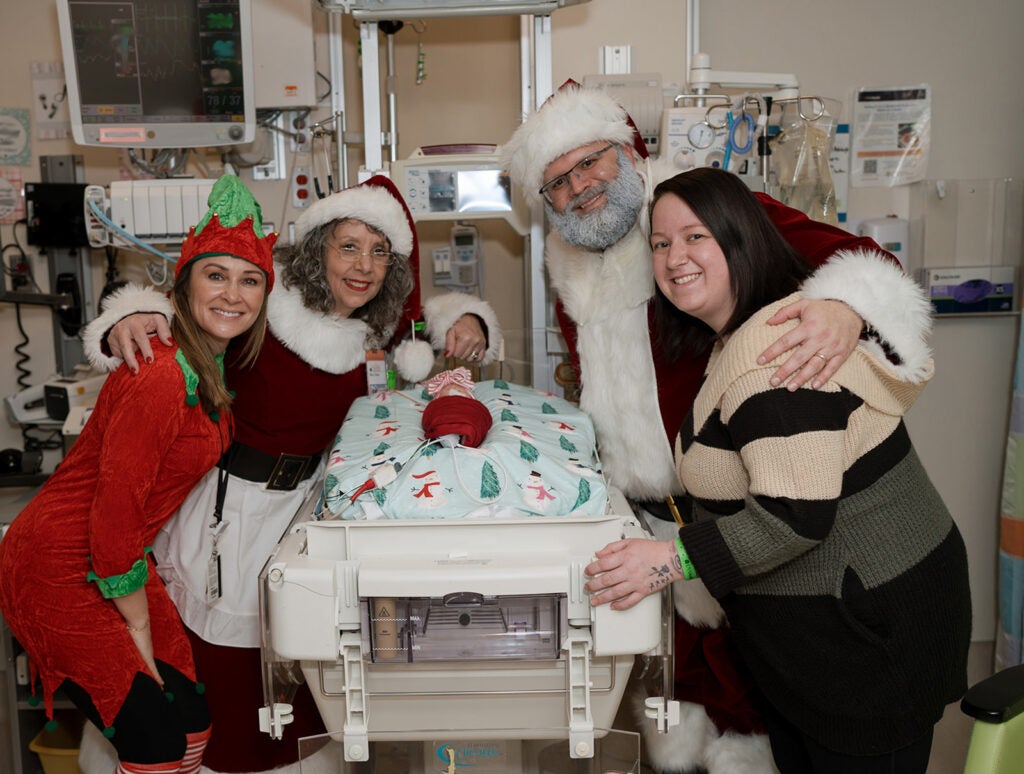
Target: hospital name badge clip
x,y
213,590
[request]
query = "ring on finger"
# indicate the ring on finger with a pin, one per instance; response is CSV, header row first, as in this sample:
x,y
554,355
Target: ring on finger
x,y
818,354
473,355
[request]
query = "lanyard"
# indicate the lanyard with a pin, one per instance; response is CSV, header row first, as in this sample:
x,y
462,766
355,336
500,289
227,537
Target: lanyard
x,y
217,526
222,483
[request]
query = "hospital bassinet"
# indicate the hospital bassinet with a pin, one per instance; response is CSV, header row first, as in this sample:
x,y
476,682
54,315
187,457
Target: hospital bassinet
x,y
478,626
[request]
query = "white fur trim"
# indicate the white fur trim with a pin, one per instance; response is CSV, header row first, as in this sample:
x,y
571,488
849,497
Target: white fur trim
x,y
695,605
733,753
131,299
327,342
696,742
573,116
886,299
606,295
372,204
441,312
682,747
414,359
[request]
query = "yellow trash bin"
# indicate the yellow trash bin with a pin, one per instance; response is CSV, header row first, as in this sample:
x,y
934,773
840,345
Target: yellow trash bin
x,y
58,750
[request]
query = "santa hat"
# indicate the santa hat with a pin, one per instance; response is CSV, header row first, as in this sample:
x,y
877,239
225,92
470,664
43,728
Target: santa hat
x,y
378,203
232,226
571,117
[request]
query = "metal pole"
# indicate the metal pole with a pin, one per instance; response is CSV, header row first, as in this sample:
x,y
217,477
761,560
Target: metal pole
x,y
337,62
374,159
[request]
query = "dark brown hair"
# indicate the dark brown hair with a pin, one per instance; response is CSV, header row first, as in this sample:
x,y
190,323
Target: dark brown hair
x,y
763,267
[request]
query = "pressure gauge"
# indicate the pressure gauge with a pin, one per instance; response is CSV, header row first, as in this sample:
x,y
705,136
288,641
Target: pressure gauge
x,y
701,135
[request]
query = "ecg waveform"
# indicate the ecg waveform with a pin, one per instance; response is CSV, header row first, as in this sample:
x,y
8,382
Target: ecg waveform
x,y
157,57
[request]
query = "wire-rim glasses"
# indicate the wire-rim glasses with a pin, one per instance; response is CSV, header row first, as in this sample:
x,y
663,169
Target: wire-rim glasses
x,y
556,185
350,254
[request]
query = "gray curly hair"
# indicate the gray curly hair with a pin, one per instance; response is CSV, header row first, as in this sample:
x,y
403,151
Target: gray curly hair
x,y
304,269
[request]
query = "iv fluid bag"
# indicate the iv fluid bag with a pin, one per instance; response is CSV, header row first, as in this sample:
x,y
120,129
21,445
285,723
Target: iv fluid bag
x,y
800,157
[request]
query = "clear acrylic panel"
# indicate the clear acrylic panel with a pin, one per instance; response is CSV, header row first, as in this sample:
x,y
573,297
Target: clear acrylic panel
x,y
438,752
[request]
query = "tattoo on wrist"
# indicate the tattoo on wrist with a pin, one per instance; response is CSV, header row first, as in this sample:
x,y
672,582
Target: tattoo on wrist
x,y
659,577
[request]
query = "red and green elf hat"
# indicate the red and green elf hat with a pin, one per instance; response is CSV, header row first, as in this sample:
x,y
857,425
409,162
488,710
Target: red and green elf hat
x,y
233,226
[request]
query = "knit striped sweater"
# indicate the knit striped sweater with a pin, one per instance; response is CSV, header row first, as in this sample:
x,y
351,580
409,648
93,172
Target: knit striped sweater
x,y
818,530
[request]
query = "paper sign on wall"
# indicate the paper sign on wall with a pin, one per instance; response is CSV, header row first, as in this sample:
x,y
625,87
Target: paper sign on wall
x,y
14,137
12,195
50,104
891,128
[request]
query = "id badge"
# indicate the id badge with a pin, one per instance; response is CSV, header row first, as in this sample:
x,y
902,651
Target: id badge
x,y
213,578
376,372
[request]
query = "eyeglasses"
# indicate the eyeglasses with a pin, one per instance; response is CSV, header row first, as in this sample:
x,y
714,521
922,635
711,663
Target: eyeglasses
x,y
557,186
350,253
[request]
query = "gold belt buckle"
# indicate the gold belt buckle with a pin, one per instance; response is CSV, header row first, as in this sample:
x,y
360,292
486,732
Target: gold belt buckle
x,y
287,472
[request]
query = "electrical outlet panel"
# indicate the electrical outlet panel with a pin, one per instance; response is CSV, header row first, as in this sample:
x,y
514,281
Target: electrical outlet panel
x,y
301,134
18,271
302,187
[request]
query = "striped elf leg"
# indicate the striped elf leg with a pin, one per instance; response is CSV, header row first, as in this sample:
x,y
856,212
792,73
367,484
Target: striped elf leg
x,y
194,751
172,767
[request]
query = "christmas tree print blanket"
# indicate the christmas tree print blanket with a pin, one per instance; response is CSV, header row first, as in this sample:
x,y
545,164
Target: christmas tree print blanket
x,y
539,458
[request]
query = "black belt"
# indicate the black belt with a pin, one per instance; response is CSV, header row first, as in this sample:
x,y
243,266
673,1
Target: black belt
x,y
283,472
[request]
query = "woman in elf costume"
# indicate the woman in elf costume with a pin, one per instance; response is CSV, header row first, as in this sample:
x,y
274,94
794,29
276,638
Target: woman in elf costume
x,y
78,585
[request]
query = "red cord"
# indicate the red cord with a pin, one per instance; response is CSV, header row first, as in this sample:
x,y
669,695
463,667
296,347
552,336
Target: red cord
x,y
366,487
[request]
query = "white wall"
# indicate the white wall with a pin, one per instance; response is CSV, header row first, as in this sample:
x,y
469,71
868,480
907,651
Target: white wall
x,y
969,53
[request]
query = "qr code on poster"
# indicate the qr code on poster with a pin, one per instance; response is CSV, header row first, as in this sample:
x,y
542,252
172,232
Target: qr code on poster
x,y
871,166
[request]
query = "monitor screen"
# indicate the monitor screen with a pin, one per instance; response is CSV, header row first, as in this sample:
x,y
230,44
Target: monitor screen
x,y
158,73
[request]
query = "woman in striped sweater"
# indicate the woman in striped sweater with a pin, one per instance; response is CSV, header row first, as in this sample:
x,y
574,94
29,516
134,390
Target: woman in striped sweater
x,y
808,514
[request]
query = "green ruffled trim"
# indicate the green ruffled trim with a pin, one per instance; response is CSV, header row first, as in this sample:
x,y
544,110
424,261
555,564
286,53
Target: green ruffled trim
x,y
192,379
124,584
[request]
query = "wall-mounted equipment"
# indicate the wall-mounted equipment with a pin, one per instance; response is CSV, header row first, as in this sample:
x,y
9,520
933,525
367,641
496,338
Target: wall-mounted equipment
x,y
441,183
150,210
640,94
54,214
158,73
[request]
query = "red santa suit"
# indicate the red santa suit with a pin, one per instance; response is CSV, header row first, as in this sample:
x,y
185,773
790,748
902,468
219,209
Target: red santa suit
x,y
142,450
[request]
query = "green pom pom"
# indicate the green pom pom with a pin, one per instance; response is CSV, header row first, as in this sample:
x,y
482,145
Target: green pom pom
x,y
109,732
215,416
51,726
191,400
200,689
169,696
33,701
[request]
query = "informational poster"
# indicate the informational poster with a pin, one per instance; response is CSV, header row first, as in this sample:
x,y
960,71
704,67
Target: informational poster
x,y
50,108
12,195
15,147
891,128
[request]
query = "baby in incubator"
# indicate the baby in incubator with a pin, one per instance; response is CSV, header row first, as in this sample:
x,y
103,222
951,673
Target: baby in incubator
x,y
455,410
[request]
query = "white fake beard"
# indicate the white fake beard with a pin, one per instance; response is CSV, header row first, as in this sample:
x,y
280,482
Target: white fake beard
x,y
599,230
